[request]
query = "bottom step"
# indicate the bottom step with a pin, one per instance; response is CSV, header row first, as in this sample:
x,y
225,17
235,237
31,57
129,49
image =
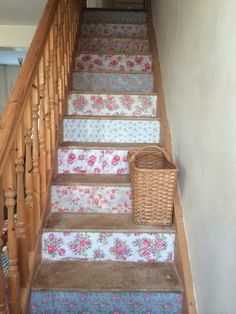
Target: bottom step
x,y
112,288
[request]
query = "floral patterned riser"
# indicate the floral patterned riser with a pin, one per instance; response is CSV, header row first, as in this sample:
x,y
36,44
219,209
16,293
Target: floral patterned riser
x,y
115,30
114,45
107,246
81,161
91,199
111,131
58,302
112,105
110,17
128,63
113,82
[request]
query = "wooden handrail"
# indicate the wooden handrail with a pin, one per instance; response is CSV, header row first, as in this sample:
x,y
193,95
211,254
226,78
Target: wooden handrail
x,y
28,137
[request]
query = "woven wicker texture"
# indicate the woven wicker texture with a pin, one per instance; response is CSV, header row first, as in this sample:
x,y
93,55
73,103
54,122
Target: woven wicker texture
x,y
153,181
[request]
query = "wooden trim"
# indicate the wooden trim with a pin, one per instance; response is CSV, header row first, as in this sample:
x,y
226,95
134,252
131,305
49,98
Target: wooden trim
x,y
181,261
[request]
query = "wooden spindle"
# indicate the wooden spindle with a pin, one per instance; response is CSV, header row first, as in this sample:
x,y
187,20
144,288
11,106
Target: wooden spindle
x,y
51,91
29,200
2,281
36,168
55,73
13,274
42,132
22,240
47,109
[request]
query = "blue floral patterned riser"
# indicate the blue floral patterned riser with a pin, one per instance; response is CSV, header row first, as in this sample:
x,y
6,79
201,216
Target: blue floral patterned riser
x,y
86,81
107,16
50,302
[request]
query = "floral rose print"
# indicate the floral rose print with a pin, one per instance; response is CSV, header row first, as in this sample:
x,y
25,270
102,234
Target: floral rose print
x,y
109,246
111,62
119,45
106,302
121,250
54,245
112,131
102,165
112,105
113,82
115,30
80,244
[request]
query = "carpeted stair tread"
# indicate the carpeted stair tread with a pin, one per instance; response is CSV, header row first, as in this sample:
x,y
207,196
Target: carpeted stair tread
x,y
133,118
107,180
99,222
117,146
107,276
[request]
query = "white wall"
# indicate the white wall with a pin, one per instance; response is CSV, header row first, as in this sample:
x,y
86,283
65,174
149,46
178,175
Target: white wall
x,y
16,35
8,75
197,45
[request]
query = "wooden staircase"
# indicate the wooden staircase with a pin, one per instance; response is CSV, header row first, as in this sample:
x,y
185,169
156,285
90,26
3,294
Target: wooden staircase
x,y
74,247
89,237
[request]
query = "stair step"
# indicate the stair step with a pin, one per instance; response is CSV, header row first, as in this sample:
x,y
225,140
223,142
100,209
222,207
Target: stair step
x,y
91,194
108,16
112,104
109,81
114,30
105,237
106,287
77,129
114,62
111,44
94,158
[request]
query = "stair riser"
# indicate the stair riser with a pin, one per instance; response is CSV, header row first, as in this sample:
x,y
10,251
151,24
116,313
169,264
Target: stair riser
x,y
115,30
91,199
91,161
108,246
112,82
118,17
112,105
119,45
108,62
106,302
112,131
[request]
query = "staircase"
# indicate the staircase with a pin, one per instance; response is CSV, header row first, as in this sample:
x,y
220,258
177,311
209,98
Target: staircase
x,y
94,258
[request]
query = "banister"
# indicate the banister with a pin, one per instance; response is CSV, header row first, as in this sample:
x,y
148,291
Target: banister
x,y
29,130
12,113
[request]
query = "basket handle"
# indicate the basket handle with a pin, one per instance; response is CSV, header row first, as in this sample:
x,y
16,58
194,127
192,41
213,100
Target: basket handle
x,y
162,150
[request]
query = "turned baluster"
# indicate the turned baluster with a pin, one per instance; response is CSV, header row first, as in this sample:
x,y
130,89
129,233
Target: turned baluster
x,y
62,52
36,168
29,200
13,274
2,285
51,90
55,73
22,239
42,133
47,109
59,64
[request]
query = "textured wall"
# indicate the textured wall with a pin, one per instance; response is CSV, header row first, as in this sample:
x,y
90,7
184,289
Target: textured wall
x,y
198,61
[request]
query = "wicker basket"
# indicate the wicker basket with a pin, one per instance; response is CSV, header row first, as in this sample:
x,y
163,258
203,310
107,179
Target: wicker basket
x,y
153,180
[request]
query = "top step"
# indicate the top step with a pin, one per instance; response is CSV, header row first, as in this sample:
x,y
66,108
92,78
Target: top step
x,y
114,16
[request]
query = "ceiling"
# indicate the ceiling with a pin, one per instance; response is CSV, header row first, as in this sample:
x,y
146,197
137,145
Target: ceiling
x,y
21,12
